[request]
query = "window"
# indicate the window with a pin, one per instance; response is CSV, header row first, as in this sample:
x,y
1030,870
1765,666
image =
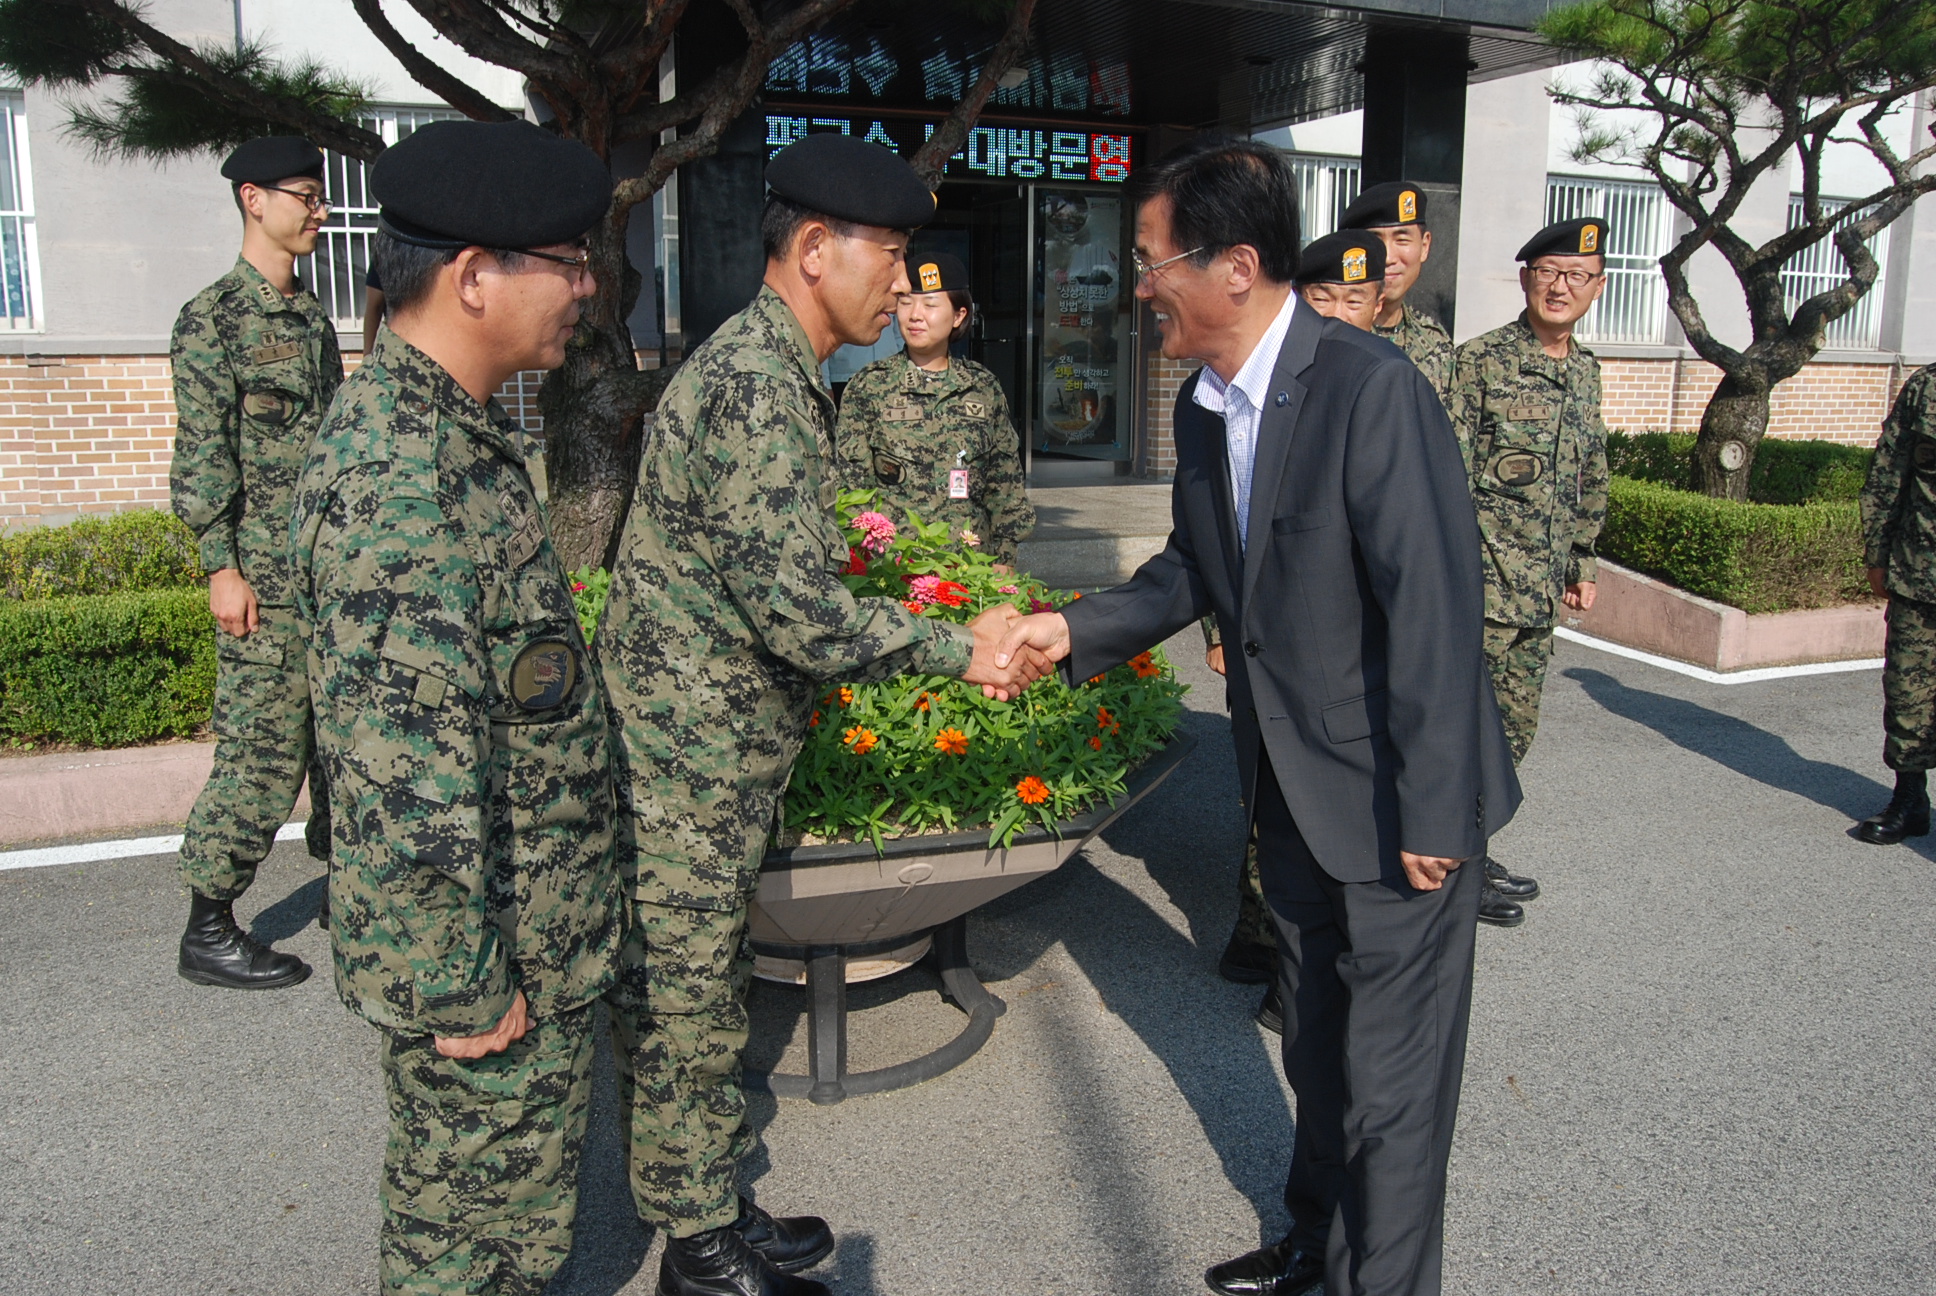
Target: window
x,y
1639,227
334,272
1819,267
1325,187
19,252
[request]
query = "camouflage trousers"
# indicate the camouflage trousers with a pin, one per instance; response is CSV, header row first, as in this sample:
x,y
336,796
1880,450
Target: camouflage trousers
x,y
679,1025
1254,926
480,1179
1909,686
264,748
1518,657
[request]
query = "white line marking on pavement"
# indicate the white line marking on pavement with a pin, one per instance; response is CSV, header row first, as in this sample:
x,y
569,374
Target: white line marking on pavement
x,y
128,848
1719,677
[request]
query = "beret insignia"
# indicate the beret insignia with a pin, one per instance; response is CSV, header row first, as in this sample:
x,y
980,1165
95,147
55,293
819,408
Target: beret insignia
x,y
1354,265
1589,239
1407,207
930,277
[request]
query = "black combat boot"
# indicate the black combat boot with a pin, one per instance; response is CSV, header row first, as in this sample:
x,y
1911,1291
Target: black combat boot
x,y
720,1262
1284,1269
1246,962
216,952
1510,885
789,1244
1496,909
1906,815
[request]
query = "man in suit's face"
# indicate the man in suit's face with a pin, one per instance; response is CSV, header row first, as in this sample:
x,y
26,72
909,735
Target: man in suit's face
x,y
1215,312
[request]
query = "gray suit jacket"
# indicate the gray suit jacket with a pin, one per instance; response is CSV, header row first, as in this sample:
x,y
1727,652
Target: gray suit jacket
x,y
1351,622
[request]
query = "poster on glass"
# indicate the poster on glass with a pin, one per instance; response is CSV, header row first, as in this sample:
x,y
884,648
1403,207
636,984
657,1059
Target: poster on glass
x,y
1082,304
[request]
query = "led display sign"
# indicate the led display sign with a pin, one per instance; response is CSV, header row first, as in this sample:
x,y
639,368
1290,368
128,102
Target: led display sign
x,y
993,152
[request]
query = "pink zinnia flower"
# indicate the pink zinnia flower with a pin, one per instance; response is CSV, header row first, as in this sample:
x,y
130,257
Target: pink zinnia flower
x,y
878,531
1008,589
922,589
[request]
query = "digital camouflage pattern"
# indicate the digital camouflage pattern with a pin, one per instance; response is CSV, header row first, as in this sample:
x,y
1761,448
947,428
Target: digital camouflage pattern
x,y
1909,685
1899,536
1254,926
480,1175
904,430
254,372
679,1025
1518,656
726,619
1899,497
470,762
264,749
1530,428
1423,339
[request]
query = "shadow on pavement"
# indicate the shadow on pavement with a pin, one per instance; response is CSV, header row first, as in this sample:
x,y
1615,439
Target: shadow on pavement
x,y
290,914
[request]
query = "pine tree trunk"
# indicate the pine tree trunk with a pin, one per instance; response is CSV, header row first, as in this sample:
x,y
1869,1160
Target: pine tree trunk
x,y
1732,426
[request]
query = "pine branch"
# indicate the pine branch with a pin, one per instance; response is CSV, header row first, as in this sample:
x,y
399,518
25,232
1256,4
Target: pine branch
x,y
425,71
932,158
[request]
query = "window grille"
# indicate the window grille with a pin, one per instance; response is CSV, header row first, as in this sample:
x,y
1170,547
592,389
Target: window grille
x,y
1325,187
1639,229
19,249
335,270
1819,267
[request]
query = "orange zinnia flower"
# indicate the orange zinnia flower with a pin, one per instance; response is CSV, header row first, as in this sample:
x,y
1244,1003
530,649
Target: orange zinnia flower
x,y
1032,790
1096,743
1144,666
913,607
847,694
1096,679
813,720
921,703
861,740
952,741
1103,718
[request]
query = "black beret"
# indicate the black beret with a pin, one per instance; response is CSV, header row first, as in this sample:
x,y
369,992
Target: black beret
x,y
1584,236
1347,257
937,272
851,180
457,184
1399,202
272,158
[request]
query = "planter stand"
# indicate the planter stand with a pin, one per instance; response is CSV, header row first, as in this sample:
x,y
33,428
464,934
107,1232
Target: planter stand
x,y
827,1018
824,905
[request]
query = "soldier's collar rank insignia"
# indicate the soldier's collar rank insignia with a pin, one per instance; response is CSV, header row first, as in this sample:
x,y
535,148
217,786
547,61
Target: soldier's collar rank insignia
x,y
1407,207
930,277
1354,265
543,675
268,294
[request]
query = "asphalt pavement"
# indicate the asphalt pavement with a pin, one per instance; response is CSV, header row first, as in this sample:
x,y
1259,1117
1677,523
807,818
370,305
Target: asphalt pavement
x,y
1705,1064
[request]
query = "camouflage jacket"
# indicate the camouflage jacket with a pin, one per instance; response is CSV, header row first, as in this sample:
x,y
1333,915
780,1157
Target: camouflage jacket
x,y
904,432
1537,454
464,731
727,617
1899,498
254,375
1427,343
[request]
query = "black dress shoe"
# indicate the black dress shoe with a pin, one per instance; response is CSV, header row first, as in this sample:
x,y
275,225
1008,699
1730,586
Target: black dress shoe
x,y
1270,1013
217,952
1496,909
1510,885
1907,815
1281,1270
791,1244
1246,963
720,1262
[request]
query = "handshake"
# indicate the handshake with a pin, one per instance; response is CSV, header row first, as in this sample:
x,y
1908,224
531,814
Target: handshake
x,y
1012,651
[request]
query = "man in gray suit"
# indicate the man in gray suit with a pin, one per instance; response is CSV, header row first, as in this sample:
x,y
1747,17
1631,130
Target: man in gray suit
x,y
1321,512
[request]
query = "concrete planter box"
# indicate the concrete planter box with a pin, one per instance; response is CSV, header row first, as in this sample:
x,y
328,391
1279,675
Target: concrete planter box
x,y
1641,612
826,913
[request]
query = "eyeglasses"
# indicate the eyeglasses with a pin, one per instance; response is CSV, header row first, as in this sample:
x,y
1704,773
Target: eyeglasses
x,y
581,264
1144,269
314,201
1546,275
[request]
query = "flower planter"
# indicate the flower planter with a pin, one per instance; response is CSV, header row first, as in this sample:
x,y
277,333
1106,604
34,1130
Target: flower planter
x,y
820,907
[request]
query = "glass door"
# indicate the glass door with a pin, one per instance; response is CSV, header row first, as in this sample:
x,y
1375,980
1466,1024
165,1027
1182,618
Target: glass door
x,y
1080,404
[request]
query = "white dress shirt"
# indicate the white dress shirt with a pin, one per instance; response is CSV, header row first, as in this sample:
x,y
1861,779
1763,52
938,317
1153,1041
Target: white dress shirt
x,y
1240,403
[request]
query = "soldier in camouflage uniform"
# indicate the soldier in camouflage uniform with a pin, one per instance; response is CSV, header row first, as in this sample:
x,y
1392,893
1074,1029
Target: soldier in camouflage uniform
x,y
476,904
1899,548
255,366
726,619
1395,212
930,433
1525,402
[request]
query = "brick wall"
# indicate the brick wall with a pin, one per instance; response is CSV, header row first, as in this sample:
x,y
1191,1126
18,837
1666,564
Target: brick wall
x,y
1824,402
1162,381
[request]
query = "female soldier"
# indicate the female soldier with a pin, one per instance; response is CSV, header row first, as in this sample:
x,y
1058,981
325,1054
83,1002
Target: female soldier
x,y
932,433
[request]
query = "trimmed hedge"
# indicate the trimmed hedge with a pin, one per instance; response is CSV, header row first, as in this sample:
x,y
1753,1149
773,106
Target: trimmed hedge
x,y
1784,472
1757,557
140,550
106,670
